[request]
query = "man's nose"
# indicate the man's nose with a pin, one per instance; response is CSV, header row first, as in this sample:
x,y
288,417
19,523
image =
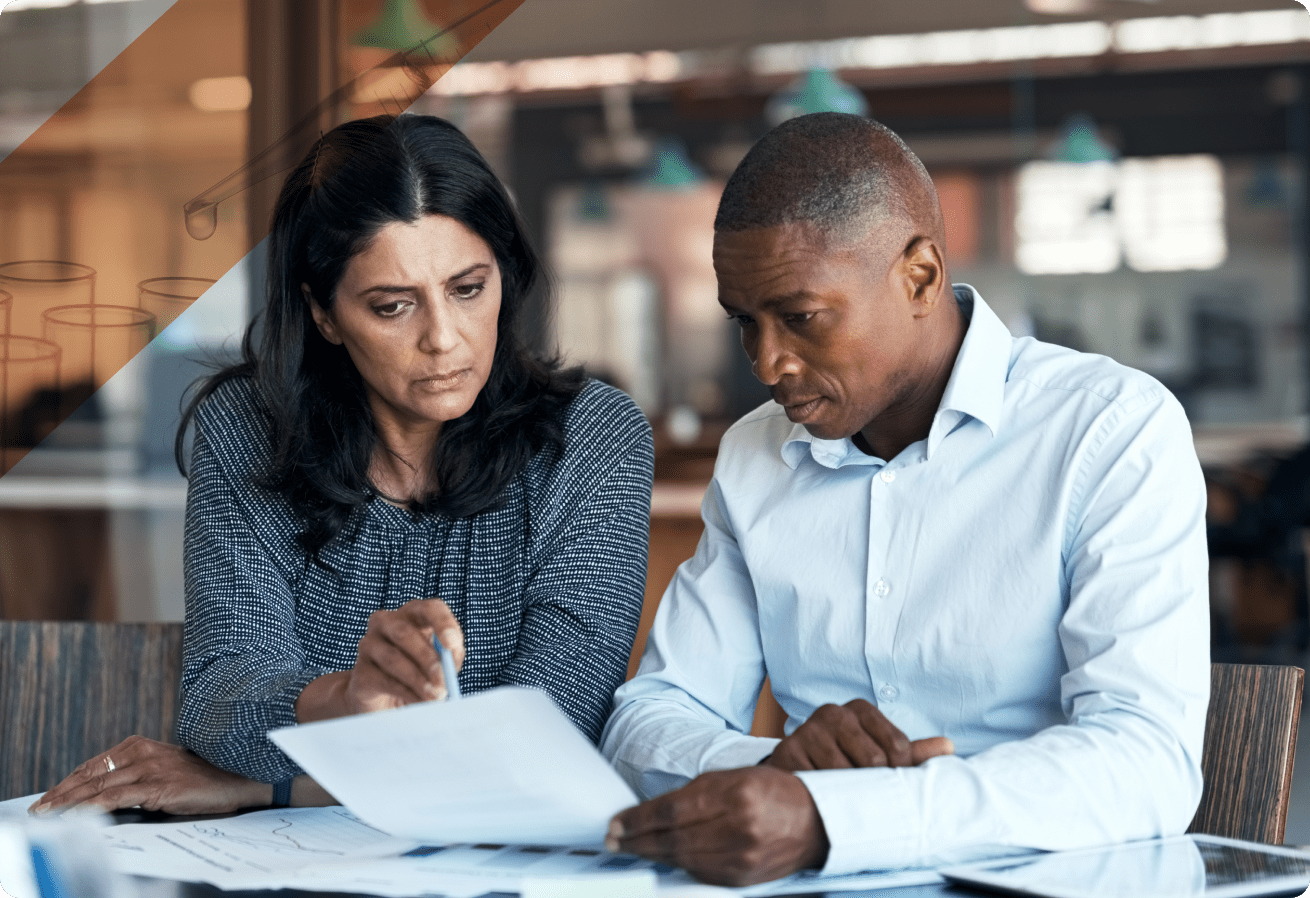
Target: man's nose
x,y
772,358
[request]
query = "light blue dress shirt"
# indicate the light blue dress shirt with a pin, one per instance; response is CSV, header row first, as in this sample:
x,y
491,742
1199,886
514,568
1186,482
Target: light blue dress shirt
x,y
1030,580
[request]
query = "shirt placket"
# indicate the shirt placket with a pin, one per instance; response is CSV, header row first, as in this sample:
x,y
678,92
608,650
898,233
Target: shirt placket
x,y
884,593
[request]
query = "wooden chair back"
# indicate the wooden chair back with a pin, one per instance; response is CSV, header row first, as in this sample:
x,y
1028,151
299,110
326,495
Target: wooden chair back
x,y
70,690
1250,748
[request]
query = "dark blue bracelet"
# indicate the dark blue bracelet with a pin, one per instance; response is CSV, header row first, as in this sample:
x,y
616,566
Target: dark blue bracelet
x,y
282,794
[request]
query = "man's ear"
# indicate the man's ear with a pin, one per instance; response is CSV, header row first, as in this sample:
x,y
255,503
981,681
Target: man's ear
x,y
925,272
322,319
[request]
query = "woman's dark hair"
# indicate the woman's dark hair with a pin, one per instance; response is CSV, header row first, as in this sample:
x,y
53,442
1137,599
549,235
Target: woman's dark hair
x,y
358,178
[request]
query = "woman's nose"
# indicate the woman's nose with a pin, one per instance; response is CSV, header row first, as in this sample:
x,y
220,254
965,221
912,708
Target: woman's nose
x,y
438,332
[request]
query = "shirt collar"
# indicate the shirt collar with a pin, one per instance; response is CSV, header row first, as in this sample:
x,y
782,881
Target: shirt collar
x,y
976,389
977,384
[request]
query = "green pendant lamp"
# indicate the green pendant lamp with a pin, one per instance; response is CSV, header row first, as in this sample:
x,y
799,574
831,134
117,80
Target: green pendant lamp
x,y
402,25
818,90
1080,141
671,168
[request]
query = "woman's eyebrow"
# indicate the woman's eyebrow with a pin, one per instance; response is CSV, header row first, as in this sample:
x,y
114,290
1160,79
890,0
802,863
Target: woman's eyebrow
x,y
397,288
477,266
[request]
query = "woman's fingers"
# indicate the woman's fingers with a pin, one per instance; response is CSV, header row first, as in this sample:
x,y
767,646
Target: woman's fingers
x,y
397,664
433,616
93,776
394,670
155,776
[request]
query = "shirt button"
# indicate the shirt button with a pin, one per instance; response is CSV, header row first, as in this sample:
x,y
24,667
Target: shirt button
x,y
881,588
888,693
887,476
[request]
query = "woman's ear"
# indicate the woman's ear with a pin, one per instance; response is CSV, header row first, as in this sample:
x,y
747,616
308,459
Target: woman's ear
x,y
322,319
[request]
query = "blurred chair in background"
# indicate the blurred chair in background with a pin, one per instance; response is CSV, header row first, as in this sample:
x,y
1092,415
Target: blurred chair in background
x,y
69,691
1250,748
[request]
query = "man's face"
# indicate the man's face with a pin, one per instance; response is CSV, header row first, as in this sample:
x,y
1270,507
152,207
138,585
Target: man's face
x,y
829,330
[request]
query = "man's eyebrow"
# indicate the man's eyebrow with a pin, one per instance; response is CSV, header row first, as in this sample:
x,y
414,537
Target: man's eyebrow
x,y
774,302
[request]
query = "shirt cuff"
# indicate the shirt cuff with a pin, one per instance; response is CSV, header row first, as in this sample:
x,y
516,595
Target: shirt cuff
x,y
869,817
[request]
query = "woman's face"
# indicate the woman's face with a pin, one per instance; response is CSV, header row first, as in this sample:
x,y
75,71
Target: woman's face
x,y
417,312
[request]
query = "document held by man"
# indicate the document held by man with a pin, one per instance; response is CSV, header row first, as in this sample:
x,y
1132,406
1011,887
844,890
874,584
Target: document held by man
x,y
501,766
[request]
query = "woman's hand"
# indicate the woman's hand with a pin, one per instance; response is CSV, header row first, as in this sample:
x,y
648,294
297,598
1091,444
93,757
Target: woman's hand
x,y
396,664
157,777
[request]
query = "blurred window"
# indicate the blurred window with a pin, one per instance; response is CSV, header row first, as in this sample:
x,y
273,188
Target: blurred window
x,y
1159,214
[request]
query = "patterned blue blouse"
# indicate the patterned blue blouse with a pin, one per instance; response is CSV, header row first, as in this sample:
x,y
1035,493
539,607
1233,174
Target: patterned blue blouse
x,y
548,587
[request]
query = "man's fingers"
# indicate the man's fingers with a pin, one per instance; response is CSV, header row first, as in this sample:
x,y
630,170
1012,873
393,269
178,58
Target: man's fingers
x,y
932,747
695,845
858,747
690,805
889,738
738,827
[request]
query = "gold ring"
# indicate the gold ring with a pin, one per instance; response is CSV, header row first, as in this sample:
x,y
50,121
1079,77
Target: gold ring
x,y
110,766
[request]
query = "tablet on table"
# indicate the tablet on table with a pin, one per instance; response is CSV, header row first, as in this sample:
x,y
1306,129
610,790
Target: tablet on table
x,y
1178,867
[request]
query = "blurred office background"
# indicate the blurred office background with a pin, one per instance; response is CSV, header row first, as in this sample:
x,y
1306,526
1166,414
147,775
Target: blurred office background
x,y
1123,177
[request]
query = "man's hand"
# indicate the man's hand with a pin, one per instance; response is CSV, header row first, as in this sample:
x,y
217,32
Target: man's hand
x,y
728,827
855,734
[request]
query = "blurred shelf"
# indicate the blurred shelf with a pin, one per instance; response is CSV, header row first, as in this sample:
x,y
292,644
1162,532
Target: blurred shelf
x,y
158,492
1234,444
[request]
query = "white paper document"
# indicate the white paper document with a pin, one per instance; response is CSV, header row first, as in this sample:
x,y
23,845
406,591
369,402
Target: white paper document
x,y
267,846
501,766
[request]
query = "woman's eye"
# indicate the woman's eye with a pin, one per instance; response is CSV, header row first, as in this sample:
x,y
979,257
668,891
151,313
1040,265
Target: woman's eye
x,y
468,291
390,310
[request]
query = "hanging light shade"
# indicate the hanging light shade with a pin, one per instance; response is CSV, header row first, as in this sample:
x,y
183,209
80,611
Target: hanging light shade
x,y
1080,141
818,90
401,25
671,169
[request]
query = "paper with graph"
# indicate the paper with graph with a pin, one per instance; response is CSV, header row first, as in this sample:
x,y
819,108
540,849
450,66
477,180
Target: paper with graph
x,y
258,845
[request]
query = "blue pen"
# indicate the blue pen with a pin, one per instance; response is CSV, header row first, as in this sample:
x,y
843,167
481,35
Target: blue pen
x,y
447,670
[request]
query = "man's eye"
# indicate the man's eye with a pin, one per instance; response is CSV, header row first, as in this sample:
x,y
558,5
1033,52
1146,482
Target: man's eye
x,y
742,320
797,317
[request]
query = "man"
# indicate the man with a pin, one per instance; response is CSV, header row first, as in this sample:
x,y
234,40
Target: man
x,y
934,532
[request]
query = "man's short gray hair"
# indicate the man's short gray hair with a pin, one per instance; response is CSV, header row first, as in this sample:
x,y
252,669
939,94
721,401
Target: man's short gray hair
x,y
842,173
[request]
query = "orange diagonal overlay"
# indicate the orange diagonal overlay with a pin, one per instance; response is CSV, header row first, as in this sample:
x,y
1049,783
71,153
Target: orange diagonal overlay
x,y
196,113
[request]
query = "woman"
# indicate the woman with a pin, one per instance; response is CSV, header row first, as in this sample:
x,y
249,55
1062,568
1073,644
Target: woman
x,y
390,462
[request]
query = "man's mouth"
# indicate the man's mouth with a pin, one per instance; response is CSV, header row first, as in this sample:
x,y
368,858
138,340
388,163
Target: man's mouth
x,y
798,411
